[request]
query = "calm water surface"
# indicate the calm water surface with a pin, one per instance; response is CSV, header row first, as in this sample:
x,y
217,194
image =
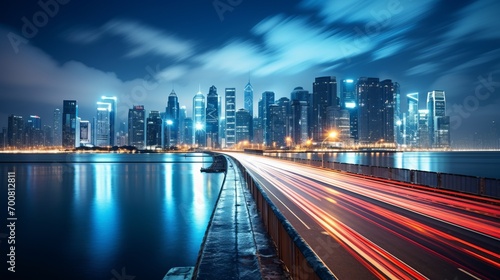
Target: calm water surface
x,y
105,216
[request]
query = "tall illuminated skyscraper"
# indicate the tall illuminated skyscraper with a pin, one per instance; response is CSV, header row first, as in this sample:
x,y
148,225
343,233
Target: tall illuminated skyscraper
x,y
439,123
70,125
248,98
264,104
154,125
248,105
243,123
299,115
349,102
103,124
199,119
15,131
56,127
230,94
324,96
112,117
171,122
375,111
137,126
212,118
412,119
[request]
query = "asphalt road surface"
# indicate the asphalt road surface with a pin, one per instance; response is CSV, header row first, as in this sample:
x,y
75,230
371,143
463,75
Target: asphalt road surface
x,y
371,229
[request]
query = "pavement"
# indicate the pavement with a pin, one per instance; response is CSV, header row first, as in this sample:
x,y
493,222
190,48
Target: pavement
x,y
236,245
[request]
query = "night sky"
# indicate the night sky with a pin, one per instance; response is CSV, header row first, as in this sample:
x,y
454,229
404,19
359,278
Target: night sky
x,y
139,52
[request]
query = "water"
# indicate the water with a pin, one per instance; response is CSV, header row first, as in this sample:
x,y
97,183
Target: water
x,y
480,164
106,216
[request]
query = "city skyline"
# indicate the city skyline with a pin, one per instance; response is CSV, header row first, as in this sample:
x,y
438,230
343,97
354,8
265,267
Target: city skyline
x,y
139,55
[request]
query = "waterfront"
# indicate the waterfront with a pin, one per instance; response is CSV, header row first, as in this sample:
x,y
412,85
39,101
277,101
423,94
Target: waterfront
x,y
480,164
98,216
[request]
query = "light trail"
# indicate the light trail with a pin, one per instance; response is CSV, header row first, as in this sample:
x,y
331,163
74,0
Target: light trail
x,y
449,229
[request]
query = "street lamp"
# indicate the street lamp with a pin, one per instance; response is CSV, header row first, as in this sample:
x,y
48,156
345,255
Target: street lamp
x,y
332,134
308,143
289,141
379,143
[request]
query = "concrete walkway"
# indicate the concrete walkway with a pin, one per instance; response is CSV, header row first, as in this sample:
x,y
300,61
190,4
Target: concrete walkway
x,y
236,244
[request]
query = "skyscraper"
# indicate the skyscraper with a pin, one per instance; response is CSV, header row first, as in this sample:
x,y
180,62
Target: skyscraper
x,y
286,116
212,119
56,126
85,133
324,96
182,131
276,128
375,111
423,138
439,123
15,131
299,115
171,129
248,98
349,102
230,117
248,105
136,126
103,124
112,117
70,125
154,126
388,89
34,132
264,103
243,123
199,119
412,119
398,116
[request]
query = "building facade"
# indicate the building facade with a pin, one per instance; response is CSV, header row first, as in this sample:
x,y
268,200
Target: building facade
x,y
136,126
70,125
171,122
243,124
199,119
154,130
230,94
439,123
112,118
324,96
212,118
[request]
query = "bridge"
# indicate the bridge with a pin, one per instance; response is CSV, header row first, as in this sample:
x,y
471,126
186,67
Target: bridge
x,y
332,225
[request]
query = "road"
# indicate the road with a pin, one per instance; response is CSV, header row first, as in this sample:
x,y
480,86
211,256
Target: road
x,y
374,229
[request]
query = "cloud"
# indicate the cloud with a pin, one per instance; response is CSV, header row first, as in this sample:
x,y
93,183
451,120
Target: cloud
x,y
32,82
423,69
479,20
481,59
235,57
142,39
385,13
388,50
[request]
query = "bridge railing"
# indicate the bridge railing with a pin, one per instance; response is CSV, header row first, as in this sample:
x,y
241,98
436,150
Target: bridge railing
x,y
487,187
297,256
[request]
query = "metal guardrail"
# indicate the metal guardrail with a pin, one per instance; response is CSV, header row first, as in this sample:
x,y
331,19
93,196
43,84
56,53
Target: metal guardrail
x,y
487,187
297,256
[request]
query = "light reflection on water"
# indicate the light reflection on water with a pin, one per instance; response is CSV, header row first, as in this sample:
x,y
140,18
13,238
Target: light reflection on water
x,y
146,213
